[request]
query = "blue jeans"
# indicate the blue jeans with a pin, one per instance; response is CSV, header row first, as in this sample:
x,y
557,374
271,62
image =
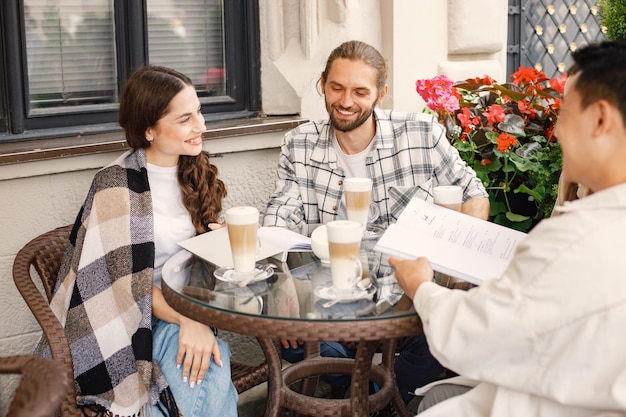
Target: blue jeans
x,y
327,350
215,396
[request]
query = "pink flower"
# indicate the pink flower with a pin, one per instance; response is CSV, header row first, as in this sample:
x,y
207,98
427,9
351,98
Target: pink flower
x,y
439,94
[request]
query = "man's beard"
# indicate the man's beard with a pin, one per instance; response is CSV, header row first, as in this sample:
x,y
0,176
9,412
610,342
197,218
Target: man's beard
x,y
346,125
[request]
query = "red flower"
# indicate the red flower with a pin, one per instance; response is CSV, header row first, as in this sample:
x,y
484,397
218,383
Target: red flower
x,y
485,161
485,80
467,121
528,75
505,142
549,133
527,108
558,84
494,114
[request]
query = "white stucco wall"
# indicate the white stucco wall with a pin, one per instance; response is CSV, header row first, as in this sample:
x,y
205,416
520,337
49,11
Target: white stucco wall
x,y
420,38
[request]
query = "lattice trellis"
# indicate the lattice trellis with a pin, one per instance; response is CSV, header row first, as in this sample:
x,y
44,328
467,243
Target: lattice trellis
x,y
551,29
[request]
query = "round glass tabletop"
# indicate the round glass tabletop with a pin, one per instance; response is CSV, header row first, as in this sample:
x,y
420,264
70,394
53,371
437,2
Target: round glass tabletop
x,y
298,289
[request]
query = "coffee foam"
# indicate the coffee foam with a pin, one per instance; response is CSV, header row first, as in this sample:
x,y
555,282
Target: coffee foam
x,y
242,215
357,184
448,194
344,231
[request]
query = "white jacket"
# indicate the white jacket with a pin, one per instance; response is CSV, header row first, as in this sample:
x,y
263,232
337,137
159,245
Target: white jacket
x,y
548,338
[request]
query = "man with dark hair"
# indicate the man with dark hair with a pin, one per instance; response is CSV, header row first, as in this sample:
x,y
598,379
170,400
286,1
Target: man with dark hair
x,y
547,337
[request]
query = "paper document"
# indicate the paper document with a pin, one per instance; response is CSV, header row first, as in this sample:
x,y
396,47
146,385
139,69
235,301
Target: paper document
x,y
455,244
214,246
287,240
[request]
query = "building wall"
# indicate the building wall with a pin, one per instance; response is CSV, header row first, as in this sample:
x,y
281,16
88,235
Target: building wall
x,y
420,38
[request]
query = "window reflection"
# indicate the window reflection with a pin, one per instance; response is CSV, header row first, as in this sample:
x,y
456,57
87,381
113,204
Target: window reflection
x,y
187,35
70,52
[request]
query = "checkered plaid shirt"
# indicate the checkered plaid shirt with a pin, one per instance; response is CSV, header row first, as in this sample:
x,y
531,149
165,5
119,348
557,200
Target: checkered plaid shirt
x,y
410,156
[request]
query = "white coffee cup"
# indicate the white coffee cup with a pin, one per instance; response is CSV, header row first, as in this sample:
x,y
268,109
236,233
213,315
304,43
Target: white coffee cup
x,y
344,243
357,192
243,224
449,196
319,243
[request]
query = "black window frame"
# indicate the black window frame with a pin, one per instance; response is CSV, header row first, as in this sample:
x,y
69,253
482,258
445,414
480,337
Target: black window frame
x,y
241,49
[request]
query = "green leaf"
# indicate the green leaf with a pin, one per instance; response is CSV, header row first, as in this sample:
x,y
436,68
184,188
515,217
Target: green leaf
x,y
538,193
464,146
515,95
523,226
523,164
513,124
492,136
496,207
516,217
491,167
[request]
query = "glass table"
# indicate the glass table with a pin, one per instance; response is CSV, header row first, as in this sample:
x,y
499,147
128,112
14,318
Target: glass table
x,y
287,306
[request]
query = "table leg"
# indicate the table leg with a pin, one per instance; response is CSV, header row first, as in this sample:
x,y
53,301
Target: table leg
x,y
275,381
388,358
309,385
359,388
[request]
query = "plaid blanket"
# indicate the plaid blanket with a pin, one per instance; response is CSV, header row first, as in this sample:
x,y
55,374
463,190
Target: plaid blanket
x,y
104,293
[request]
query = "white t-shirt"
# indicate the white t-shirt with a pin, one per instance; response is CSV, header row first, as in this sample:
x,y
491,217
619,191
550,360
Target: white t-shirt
x,y
172,221
353,166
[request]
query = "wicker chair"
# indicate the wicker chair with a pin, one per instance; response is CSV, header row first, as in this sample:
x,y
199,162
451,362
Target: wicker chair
x,y
44,384
45,254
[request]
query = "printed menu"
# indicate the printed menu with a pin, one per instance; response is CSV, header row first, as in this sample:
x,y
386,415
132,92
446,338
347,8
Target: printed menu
x,y
455,244
274,241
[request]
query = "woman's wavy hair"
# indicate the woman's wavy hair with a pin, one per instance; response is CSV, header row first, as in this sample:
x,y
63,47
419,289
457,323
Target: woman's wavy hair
x,y
144,100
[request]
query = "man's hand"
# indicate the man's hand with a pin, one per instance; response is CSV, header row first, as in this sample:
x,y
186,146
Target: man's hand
x,y
411,273
476,207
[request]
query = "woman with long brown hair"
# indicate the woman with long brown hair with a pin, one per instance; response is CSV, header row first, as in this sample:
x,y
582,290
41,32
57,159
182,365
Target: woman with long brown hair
x,y
131,350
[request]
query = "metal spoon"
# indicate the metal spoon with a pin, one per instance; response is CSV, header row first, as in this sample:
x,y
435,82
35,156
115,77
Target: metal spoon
x,y
268,268
364,285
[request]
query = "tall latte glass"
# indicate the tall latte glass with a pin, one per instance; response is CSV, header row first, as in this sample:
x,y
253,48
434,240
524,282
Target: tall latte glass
x,y
357,192
449,196
243,224
344,242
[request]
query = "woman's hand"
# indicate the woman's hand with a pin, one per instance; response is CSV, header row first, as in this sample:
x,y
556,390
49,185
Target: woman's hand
x,y
411,273
196,344
215,226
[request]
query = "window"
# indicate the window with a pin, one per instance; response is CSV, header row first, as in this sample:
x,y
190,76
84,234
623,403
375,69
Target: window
x,y
65,61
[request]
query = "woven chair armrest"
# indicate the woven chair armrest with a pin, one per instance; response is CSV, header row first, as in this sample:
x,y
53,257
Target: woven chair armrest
x,y
38,304
52,329
45,383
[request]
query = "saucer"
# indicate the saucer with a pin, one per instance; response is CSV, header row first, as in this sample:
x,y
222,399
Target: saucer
x,y
352,310
260,273
328,292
